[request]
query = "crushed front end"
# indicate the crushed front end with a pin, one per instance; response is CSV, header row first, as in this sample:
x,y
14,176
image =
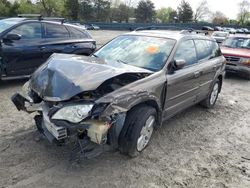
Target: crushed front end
x,y
83,99
78,121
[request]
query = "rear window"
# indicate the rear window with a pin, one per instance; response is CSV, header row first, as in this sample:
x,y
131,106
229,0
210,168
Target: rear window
x,y
56,31
220,34
76,33
207,49
216,52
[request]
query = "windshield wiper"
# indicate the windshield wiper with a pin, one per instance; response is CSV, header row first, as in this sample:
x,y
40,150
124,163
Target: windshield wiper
x,y
121,61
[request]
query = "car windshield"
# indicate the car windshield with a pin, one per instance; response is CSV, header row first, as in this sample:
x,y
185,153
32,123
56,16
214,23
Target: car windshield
x,y
141,51
220,34
7,23
237,42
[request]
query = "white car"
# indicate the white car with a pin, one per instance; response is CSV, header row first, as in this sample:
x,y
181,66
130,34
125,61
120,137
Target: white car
x,y
230,30
220,36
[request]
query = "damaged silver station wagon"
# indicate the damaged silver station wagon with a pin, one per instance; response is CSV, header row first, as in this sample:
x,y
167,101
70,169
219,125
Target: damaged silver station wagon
x,y
126,89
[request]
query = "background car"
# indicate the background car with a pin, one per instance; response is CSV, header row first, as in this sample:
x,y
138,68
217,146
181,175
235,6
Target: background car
x,y
27,43
220,36
92,27
82,26
218,28
229,30
207,28
236,50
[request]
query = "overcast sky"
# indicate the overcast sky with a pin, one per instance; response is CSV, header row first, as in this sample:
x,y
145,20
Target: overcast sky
x,y
229,7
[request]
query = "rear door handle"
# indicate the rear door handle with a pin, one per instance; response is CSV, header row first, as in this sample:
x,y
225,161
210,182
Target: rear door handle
x,y
42,48
197,74
215,67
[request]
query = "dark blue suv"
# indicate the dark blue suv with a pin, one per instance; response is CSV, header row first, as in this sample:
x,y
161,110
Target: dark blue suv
x,y
26,43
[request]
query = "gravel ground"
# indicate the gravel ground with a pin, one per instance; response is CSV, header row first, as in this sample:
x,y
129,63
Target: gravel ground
x,y
197,148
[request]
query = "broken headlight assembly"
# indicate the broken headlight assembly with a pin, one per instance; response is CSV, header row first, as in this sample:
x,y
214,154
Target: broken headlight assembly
x,y
73,113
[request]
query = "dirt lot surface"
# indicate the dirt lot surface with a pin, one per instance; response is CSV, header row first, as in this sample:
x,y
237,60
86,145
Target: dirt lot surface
x,y
197,148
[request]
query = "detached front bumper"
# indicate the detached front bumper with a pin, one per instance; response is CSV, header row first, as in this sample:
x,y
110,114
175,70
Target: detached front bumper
x,y
95,131
43,123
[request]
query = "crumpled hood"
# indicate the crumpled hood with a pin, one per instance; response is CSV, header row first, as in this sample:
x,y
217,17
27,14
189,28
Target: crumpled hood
x,y
64,75
240,52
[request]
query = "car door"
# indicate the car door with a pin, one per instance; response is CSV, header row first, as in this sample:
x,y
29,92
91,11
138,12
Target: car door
x,y
182,84
23,56
82,42
209,62
57,39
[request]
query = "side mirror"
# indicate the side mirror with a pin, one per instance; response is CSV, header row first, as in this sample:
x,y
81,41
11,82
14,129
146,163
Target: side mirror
x,y
12,37
179,64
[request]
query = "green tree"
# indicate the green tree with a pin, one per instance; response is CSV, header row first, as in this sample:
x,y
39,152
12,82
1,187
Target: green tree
x,y
86,10
164,14
120,13
145,11
72,9
244,9
13,10
52,7
185,12
173,17
4,8
201,11
26,7
101,9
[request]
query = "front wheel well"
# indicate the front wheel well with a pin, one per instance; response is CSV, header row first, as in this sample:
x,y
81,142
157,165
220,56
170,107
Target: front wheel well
x,y
220,79
153,104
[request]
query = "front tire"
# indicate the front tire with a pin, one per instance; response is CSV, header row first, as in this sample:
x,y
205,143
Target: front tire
x,y
211,99
137,131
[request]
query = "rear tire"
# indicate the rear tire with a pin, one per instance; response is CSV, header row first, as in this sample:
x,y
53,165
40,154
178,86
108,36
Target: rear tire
x,y
211,99
137,131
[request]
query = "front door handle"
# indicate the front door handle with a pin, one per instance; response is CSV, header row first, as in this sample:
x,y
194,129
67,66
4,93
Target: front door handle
x,y
197,74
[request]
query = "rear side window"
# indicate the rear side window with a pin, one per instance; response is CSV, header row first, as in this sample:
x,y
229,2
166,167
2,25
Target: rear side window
x,y
56,31
28,31
204,50
76,33
207,49
186,51
216,52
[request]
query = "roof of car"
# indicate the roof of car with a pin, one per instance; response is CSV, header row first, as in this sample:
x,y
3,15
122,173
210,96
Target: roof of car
x,y
23,19
171,34
240,36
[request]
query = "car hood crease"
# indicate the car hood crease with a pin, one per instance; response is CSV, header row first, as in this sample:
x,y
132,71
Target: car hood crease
x,y
66,75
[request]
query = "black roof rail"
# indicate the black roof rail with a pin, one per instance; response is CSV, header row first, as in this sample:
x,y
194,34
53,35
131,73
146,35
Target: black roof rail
x,y
40,17
62,20
182,30
193,31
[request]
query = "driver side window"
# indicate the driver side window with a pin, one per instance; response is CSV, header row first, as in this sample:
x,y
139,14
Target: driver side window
x,y
28,31
186,51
